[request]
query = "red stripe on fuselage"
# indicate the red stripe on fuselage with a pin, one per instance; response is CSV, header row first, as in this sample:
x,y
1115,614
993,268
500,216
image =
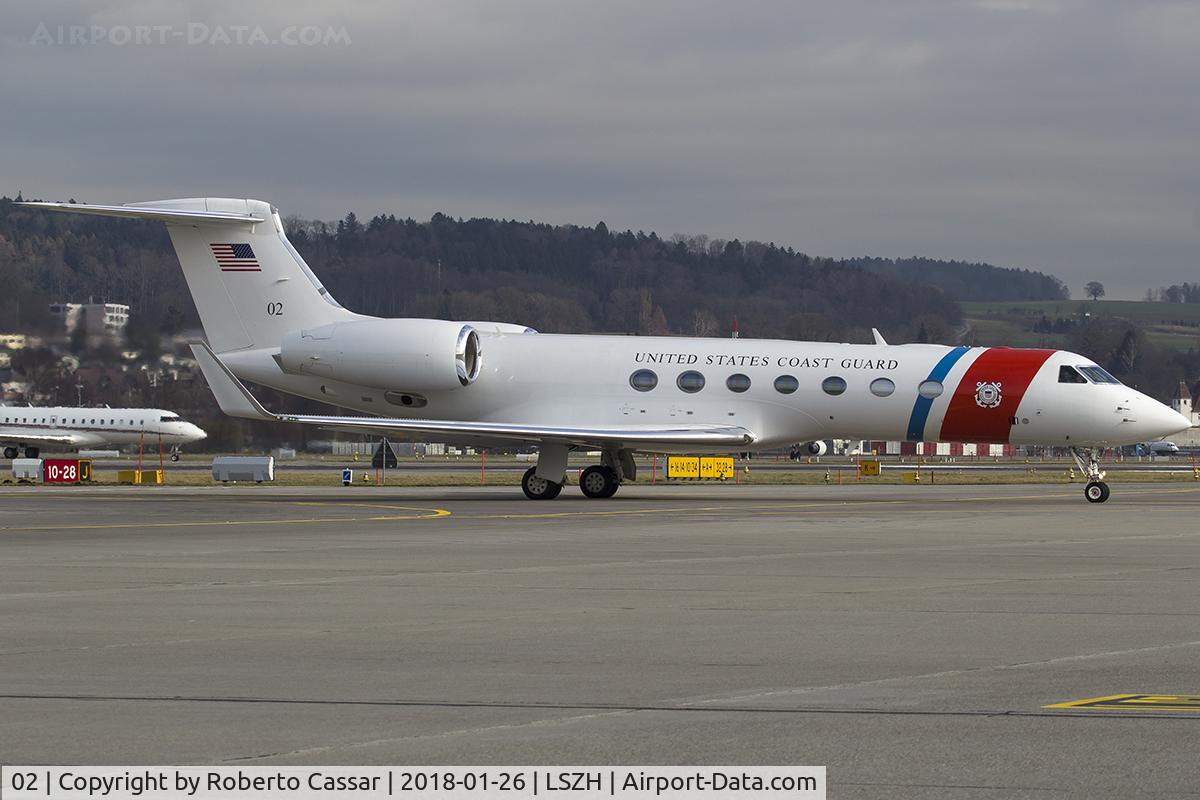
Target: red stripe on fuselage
x,y
966,420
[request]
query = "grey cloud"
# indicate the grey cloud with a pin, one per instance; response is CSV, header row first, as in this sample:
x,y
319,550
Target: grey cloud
x,y
1057,136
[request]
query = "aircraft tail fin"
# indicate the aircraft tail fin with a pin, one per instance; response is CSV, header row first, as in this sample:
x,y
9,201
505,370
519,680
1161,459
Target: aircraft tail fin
x,y
249,284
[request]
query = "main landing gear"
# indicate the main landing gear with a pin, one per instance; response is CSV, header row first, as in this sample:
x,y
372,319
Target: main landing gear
x,y
599,481
1088,460
536,488
545,481
11,452
602,480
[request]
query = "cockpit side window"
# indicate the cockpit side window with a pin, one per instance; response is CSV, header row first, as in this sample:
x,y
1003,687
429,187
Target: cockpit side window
x,y
1098,374
1070,375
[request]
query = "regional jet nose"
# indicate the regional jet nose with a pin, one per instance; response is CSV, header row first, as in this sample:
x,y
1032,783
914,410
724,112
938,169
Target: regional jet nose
x,y
196,432
1158,421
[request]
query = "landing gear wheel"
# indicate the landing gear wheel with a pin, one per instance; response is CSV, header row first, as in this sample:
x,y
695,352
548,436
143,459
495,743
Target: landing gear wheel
x,y
174,456
599,482
10,452
31,452
536,488
1096,492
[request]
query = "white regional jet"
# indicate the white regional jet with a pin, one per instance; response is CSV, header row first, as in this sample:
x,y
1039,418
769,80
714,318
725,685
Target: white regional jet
x,y
270,321
28,428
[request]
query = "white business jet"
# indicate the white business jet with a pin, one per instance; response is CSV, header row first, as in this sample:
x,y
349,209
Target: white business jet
x,y
28,429
269,320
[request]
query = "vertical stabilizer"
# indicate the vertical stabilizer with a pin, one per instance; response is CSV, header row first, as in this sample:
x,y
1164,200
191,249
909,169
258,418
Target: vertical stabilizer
x,y
249,284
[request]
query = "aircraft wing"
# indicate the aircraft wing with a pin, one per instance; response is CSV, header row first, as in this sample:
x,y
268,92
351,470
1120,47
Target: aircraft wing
x,y
236,401
42,436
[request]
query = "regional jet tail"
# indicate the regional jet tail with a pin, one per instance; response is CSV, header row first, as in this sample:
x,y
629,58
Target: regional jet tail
x,y
270,321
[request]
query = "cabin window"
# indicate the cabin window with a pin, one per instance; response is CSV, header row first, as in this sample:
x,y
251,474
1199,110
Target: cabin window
x,y
737,382
690,381
833,385
882,387
1070,375
930,389
1098,375
643,380
786,384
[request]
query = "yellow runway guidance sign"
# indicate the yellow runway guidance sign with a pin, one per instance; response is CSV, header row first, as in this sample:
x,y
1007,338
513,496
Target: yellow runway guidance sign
x,y
700,467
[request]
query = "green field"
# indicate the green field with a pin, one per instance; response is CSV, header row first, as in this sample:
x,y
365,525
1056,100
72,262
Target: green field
x,y
1172,325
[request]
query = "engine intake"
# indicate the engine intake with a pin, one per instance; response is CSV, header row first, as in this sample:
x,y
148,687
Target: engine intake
x,y
410,355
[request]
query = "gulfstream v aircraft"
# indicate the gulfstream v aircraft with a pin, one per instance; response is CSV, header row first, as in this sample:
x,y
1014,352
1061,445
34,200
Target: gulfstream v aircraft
x,y
270,321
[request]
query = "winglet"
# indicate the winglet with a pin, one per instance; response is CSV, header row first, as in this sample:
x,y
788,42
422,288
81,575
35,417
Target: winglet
x,y
233,398
878,336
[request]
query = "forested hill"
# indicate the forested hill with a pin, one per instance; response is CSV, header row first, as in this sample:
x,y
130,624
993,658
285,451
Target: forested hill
x,y
969,281
554,278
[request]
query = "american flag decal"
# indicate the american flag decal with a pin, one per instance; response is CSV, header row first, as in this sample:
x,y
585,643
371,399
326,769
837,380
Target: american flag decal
x,y
237,257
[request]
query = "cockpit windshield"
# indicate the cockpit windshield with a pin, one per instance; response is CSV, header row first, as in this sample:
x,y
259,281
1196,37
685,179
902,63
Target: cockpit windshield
x,y
1068,374
1098,374
169,418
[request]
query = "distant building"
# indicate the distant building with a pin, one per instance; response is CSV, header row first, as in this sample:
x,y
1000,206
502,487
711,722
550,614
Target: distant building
x,y
1185,403
101,319
14,341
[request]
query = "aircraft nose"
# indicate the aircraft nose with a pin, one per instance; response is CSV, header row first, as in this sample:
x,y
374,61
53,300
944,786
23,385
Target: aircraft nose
x,y
1159,420
198,432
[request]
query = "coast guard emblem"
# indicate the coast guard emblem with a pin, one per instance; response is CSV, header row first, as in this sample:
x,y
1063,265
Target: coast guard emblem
x,y
987,395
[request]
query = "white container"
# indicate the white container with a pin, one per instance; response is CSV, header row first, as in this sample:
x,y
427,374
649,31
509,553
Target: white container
x,y
243,468
27,469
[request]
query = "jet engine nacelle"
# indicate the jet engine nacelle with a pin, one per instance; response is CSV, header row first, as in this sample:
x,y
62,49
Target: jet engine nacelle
x,y
816,448
413,355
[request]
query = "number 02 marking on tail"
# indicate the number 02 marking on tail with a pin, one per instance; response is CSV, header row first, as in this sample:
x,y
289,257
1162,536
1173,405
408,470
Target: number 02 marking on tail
x,y
274,309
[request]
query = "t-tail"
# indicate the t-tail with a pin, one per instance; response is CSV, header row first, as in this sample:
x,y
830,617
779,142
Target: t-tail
x,y
249,284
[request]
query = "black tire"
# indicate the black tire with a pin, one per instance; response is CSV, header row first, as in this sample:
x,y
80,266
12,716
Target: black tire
x,y
10,453
598,482
1096,492
31,452
616,482
536,488
174,456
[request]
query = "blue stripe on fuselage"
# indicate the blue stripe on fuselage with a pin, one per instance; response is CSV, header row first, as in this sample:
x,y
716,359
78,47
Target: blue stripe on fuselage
x,y
920,412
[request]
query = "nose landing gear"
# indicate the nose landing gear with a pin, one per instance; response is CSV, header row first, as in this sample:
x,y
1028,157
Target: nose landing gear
x,y
1088,460
1096,491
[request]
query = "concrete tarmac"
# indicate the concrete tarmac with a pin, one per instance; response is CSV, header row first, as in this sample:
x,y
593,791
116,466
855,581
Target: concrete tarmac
x,y
909,637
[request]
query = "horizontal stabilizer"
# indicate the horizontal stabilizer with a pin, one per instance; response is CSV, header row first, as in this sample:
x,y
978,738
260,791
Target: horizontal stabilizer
x,y
150,211
236,401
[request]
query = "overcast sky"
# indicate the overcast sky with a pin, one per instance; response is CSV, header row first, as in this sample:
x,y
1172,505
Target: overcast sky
x,y
1060,136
